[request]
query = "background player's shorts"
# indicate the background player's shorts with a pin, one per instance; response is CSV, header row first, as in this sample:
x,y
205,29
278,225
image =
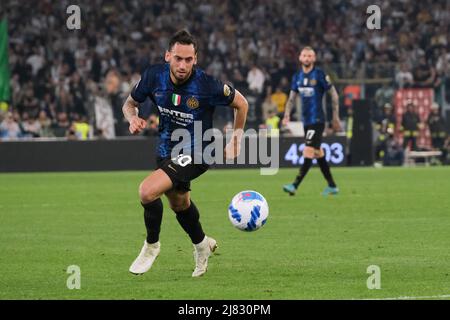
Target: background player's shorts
x,y
313,135
181,171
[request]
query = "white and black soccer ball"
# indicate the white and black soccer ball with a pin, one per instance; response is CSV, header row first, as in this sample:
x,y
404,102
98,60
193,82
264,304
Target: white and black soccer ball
x,y
248,210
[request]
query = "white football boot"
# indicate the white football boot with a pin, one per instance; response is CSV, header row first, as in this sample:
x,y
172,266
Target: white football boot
x,y
202,251
145,260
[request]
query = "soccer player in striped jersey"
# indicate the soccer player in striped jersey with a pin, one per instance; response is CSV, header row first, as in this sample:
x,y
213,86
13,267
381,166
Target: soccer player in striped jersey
x,y
184,95
310,82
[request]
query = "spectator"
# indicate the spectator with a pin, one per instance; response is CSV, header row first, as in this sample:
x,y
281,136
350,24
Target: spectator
x,y
45,124
232,36
255,79
285,85
77,90
30,126
29,103
71,133
267,107
9,128
424,74
279,98
238,79
36,61
443,63
47,104
443,71
404,77
61,125
64,101
383,96
81,127
273,123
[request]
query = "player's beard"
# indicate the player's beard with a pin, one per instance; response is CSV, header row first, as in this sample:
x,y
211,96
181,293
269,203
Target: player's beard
x,y
182,79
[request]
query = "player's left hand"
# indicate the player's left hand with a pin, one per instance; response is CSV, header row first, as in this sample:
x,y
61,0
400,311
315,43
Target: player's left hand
x,y
286,119
336,124
233,148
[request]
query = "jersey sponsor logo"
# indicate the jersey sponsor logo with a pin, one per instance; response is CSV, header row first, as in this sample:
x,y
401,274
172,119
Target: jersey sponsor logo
x,y
192,103
226,90
175,113
306,92
176,99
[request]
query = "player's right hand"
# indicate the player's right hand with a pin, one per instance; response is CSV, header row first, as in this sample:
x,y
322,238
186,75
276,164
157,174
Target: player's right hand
x,y
286,120
336,124
137,125
233,148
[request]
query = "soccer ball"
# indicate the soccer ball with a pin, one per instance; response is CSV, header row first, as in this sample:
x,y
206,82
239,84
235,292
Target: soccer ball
x,y
248,210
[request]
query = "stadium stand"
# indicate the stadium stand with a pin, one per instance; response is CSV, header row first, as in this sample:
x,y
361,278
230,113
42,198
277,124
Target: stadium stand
x,y
63,80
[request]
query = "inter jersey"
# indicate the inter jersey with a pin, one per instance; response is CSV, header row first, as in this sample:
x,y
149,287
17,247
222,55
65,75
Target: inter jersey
x,y
181,106
311,86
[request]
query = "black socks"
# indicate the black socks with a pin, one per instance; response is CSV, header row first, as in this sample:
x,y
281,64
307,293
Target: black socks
x,y
325,168
303,171
189,220
153,212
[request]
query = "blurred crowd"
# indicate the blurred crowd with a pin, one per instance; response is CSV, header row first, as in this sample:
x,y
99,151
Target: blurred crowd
x,y
72,83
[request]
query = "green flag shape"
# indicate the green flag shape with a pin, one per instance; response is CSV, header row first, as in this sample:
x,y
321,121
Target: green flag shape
x,y
5,91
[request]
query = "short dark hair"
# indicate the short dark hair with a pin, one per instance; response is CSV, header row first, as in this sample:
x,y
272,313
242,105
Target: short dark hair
x,y
309,48
183,37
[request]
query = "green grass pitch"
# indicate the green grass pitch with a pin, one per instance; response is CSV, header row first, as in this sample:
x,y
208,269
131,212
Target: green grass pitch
x,y
311,247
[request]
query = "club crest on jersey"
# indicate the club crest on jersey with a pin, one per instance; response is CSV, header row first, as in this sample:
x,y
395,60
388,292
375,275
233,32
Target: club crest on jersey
x,y
313,82
192,103
176,99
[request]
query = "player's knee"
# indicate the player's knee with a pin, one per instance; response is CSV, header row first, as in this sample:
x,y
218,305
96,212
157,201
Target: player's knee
x,y
308,152
147,193
178,200
180,205
318,153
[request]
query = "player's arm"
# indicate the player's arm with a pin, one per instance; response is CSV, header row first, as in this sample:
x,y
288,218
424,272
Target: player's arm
x,y
240,106
336,122
138,95
130,112
290,103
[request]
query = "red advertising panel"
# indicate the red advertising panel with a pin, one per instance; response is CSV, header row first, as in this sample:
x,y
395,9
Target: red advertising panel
x,y
422,100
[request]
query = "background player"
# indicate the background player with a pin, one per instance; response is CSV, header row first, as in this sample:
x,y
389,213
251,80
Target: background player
x,y
311,83
183,94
